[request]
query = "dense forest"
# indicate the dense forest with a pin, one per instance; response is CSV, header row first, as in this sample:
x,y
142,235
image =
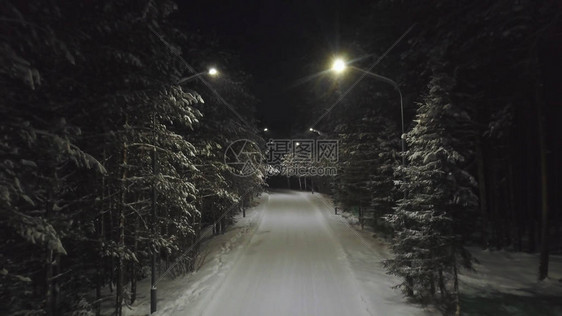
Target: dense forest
x,y
112,166
481,90
109,167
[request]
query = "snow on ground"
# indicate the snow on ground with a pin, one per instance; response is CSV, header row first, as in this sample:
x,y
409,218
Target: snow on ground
x,y
365,255
502,283
505,283
292,255
177,295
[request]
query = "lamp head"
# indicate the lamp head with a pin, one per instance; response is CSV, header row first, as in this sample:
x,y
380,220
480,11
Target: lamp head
x,y
339,65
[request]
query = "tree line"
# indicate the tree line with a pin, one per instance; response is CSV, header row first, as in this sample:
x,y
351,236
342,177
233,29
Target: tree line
x,y
108,166
481,99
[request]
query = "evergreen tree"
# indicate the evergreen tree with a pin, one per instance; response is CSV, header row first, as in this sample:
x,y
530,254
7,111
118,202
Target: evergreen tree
x,y
366,162
42,162
385,158
99,152
438,198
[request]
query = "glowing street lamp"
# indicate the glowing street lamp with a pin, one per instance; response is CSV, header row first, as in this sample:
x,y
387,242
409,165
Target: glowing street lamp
x,y
315,131
265,129
213,72
339,66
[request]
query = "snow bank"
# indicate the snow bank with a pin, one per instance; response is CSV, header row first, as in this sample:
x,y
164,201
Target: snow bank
x,y
505,283
502,283
183,295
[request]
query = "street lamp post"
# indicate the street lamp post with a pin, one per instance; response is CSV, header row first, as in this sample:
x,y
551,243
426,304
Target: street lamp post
x,y
211,72
154,158
339,66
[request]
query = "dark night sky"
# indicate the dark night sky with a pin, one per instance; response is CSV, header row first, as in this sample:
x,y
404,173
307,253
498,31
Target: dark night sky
x,y
276,40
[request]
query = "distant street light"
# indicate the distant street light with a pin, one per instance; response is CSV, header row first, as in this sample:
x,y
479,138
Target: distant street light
x,y
339,66
265,129
211,72
316,131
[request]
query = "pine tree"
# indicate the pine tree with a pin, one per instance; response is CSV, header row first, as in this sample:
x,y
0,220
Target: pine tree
x,y
42,163
357,150
385,158
368,156
82,117
438,197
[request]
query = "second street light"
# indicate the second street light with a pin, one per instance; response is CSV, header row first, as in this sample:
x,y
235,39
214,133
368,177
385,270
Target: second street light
x,y
211,72
340,65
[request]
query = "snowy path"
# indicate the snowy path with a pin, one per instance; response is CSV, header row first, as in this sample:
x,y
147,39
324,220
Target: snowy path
x,y
293,265
292,257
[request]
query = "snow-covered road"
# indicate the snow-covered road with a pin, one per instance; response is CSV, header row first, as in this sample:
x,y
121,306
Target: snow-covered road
x,y
291,256
293,265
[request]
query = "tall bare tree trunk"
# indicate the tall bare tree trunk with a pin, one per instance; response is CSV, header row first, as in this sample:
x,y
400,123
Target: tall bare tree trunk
x,y
410,284
48,279
456,287
543,265
101,235
99,265
531,207
442,289
134,264
154,226
482,193
50,295
121,238
432,285
56,283
497,226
